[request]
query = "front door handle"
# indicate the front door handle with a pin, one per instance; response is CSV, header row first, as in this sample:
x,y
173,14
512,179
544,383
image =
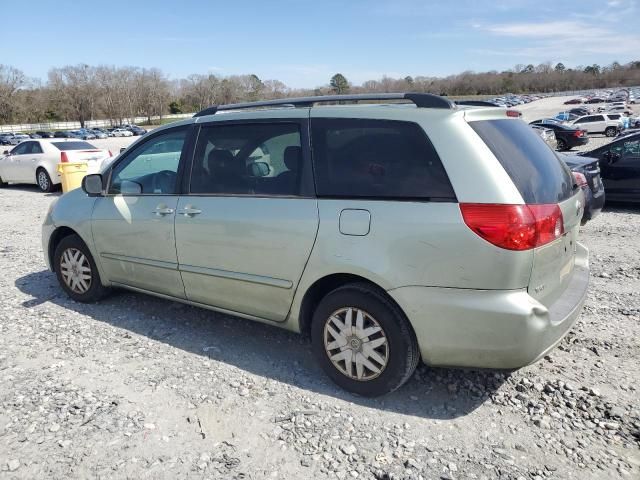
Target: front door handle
x,y
190,211
162,211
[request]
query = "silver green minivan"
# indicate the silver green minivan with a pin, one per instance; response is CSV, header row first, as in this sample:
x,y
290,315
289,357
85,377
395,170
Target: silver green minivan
x,y
388,233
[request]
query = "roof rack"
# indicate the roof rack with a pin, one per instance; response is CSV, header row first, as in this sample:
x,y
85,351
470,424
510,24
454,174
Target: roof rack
x,y
475,103
421,100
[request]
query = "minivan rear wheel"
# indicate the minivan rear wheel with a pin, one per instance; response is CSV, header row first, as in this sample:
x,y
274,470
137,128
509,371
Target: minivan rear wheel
x,y
363,341
77,272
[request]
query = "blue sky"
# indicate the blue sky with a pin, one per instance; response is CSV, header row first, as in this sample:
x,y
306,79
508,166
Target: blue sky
x,y
303,43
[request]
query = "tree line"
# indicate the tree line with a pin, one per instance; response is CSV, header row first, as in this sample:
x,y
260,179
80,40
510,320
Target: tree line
x,y
83,92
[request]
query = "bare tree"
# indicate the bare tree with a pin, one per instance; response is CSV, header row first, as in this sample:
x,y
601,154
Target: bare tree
x,y
11,81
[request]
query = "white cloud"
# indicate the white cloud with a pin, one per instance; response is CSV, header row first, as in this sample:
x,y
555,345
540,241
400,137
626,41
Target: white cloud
x,y
566,40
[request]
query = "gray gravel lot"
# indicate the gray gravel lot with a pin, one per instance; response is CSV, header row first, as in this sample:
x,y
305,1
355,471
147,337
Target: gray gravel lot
x,y
138,387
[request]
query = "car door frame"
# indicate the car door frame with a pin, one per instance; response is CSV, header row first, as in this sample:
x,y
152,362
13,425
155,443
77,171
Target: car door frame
x,y
306,192
26,167
185,155
13,160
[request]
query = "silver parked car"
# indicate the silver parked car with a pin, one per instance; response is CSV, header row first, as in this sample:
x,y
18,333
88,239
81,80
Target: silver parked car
x,y
388,233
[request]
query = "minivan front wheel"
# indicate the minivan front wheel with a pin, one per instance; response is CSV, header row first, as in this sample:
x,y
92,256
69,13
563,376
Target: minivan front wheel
x,y
611,132
76,271
363,341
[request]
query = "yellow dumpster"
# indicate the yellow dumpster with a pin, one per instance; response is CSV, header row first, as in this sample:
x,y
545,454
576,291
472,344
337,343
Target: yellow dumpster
x,y
71,175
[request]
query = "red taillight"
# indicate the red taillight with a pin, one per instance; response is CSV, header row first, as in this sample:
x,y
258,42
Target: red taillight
x,y
513,113
514,227
63,157
581,180
578,133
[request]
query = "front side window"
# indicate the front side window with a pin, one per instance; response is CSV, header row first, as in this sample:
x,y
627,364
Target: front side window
x,y
249,159
151,168
377,159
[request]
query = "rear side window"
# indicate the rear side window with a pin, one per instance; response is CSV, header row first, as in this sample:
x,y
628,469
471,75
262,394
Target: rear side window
x,y
73,145
538,174
361,158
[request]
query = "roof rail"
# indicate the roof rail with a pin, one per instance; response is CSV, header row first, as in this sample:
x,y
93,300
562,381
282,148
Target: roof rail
x,y
475,103
421,100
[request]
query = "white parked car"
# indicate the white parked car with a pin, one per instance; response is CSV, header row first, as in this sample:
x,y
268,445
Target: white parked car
x,y
36,161
121,132
598,123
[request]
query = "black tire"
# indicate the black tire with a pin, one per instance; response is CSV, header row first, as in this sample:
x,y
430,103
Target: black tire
x,y
95,290
43,180
611,131
2,183
562,145
402,354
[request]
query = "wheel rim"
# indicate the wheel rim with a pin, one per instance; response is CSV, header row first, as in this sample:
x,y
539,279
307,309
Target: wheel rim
x,y
356,344
43,181
76,270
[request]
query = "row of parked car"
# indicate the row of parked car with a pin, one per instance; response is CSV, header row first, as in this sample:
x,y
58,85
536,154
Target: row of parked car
x,y
10,138
514,100
629,95
571,128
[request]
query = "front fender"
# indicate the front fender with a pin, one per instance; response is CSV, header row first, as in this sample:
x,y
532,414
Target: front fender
x,y
73,211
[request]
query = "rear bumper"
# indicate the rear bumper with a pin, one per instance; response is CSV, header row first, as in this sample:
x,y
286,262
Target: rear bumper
x,y
491,328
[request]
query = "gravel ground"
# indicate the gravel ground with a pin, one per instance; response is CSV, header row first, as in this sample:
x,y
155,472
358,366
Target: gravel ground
x,y
138,387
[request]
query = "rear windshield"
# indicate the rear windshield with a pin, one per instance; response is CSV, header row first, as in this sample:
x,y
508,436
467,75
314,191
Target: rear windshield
x,y
73,145
535,169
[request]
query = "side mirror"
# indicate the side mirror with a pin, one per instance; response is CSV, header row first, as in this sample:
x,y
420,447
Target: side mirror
x,y
122,149
6,152
92,185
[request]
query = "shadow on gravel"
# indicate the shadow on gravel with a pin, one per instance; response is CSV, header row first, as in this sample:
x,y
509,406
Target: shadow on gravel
x,y
32,188
620,207
267,351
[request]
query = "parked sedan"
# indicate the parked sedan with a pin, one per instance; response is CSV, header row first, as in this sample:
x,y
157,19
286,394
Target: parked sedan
x,y
8,138
620,167
121,132
44,134
64,134
136,130
547,135
566,137
83,134
587,174
573,101
36,161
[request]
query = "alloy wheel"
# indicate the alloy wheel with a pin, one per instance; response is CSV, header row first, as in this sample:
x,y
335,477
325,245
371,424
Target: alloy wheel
x,y
43,181
76,270
356,344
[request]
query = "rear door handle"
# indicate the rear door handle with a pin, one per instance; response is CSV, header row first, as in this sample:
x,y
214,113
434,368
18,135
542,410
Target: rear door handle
x,y
162,211
190,211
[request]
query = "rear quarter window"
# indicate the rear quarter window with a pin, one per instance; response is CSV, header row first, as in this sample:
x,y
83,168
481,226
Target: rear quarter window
x,y
536,171
376,159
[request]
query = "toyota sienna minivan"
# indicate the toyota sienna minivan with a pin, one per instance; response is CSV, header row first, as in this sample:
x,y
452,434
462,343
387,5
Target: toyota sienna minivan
x,y
389,233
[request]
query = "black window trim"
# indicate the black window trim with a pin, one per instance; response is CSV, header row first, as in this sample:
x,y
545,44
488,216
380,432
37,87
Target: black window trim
x,y
307,185
425,199
183,158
